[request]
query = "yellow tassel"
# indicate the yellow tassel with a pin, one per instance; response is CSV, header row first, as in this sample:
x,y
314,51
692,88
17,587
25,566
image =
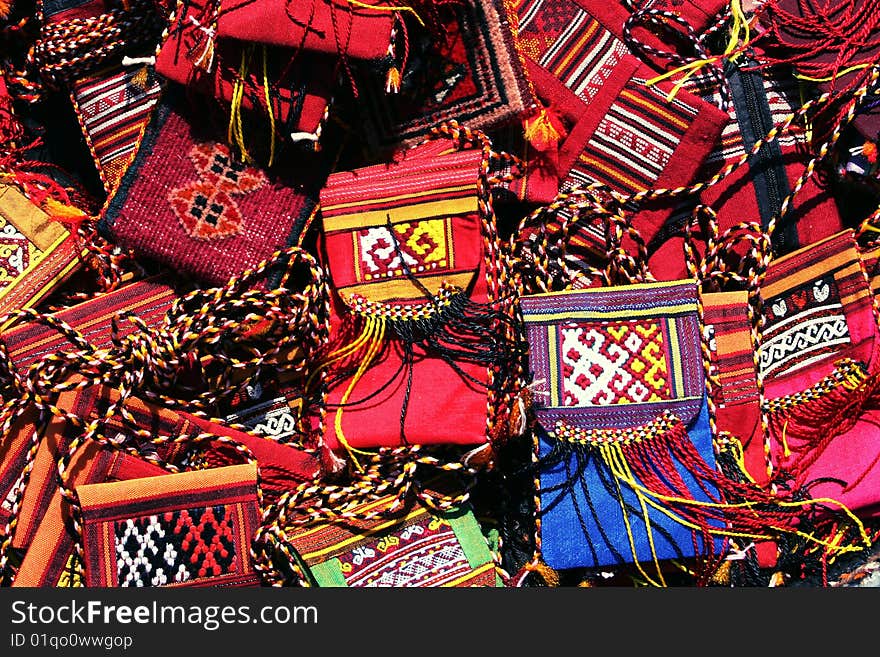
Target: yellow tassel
x,y
721,577
58,209
740,34
139,79
392,81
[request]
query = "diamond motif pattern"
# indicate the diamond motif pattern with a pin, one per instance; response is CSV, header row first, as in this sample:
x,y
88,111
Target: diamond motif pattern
x,y
613,363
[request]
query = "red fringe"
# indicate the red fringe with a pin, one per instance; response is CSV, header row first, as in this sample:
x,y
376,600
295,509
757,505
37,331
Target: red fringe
x,y
806,428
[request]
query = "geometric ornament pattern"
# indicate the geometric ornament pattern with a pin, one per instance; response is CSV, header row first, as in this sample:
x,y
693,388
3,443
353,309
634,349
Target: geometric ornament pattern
x,y
16,253
423,554
618,362
206,207
409,247
175,546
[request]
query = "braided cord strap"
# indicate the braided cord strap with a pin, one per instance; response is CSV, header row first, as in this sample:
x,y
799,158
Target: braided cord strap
x,y
211,328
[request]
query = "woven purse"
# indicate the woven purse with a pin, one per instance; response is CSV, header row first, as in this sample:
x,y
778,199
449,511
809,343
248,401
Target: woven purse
x,y
188,203
620,401
819,361
423,343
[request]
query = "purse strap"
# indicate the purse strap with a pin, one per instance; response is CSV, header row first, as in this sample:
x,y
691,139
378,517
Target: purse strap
x,y
216,324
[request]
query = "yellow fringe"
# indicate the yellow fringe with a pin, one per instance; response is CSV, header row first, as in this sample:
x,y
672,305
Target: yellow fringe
x,y
409,10
374,334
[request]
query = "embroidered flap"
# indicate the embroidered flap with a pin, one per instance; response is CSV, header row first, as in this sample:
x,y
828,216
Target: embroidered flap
x,y
615,357
36,253
817,310
189,529
387,224
421,548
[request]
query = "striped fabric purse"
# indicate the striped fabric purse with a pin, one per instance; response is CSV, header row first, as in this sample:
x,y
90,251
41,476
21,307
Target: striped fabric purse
x,y
416,547
587,76
819,362
113,107
624,454
148,300
422,340
184,529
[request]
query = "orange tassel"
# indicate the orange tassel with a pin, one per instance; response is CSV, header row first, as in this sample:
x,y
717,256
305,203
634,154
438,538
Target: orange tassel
x,y
869,150
139,80
392,81
550,576
5,8
544,129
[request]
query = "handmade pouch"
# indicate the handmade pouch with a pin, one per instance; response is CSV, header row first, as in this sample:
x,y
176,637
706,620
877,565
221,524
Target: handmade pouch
x,y
588,77
37,253
187,203
475,75
819,363
419,323
291,91
737,401
182,529
417,548
50,557
113,107
332,27
732,354
623,443
148,300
